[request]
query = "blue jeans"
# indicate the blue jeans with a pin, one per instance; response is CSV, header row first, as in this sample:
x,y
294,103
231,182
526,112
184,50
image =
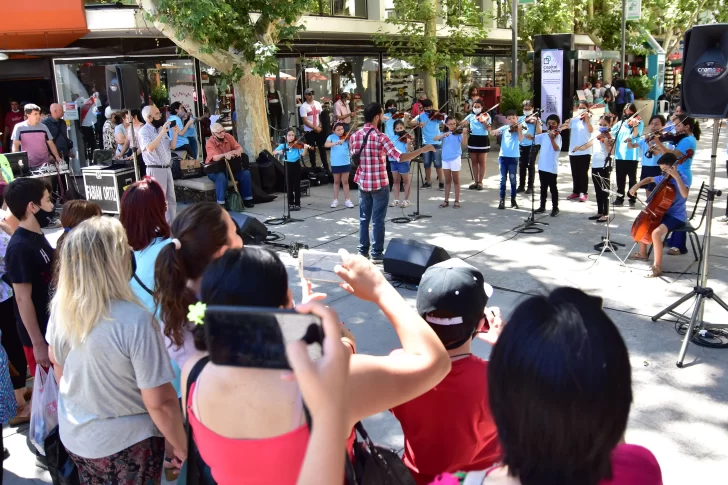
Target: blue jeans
x,y
245,186
508,167
436,156
372,208
193,146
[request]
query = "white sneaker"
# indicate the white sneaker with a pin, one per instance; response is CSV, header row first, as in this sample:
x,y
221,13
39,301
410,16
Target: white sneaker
x,y
723,219
349,204
405,203
335,203
394,203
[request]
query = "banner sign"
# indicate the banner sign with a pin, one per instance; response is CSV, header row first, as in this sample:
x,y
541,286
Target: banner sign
x,y
70,111
552,82
634,9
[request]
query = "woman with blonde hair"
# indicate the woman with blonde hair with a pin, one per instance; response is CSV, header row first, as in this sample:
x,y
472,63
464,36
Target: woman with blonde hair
x,y
111,426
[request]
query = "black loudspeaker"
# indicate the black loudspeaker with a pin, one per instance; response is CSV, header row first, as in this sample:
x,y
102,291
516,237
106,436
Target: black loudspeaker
x,y
705,79
249,228
407,259
122,87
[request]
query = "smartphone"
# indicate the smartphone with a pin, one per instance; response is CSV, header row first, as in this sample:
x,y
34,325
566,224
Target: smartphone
x,y
257,336
173,123
318,265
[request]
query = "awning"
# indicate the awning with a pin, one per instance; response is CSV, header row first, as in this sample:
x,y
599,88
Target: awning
x,y
41,24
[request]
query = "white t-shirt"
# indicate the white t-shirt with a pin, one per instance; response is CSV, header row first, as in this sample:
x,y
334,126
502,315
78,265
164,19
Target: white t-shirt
x,y
548,158
601,150
579,136
311,113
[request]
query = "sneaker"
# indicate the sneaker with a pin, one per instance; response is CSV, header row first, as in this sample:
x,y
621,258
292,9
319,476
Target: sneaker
x,y
248,204
394,203
632,202
572,197
348,204
529,190
582,198
520,189
442,186
619,201
514,205
427,185
555,212
377,259
405,203
335,204
540,210
291,208
723,219
296,207
502,204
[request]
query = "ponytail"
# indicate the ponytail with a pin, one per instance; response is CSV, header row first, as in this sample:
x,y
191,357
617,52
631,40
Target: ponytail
x,y
694,126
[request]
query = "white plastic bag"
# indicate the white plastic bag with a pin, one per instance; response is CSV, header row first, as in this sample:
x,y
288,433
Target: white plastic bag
x,y
44,408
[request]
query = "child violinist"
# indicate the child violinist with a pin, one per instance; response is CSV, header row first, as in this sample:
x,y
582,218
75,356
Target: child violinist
x,y
548,162
528,152
338,141
400,170
676,215
478,143
511,136
650,156
602,144
452,152
292,153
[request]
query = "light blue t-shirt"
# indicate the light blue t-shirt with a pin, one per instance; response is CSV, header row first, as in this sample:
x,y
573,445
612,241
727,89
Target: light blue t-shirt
x,y
686,168
476,127
181,140
292,155
531,130
339,153
509,143
678,209
430,130
621,150
548,158
401,146
648,161
192,130
389,125
452,147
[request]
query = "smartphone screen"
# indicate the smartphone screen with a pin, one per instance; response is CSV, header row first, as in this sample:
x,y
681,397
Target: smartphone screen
x,y
173,123
255,336
318,265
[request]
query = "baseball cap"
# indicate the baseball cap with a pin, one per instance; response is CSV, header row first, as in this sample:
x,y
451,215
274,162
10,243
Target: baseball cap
x,y
308,91
454,287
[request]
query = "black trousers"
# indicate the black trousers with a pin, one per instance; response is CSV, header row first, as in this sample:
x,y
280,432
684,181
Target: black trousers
x,y
602,196
548,182
527,164
317,140
626,169
294,182
580,173
275,118
89,140
11,343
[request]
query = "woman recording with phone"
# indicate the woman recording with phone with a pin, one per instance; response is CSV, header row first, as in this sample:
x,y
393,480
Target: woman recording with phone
x,y
249,425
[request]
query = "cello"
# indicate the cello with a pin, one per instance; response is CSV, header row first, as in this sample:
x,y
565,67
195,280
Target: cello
x,y
658,203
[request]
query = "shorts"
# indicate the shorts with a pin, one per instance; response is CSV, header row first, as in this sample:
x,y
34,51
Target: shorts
x,y
400,167
340,168
671,222
452,165
650,172
478,144
436,156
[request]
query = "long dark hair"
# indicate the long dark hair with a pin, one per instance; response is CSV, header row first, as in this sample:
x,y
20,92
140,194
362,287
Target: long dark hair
x,y
694,126
560,387
143,208
249,276
201,230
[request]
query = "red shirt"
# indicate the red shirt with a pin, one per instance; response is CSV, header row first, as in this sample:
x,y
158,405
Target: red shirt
x,y
372,171
634,465
450,428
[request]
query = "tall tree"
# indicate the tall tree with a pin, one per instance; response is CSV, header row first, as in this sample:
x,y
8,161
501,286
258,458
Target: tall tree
x,y
461,28
238,38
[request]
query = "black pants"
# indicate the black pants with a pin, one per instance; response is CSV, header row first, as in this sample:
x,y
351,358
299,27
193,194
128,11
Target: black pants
x,y
11,343
527,164
626,169
294,182
602,196
89,140
275,117
317,140
619,107
548,181
580,173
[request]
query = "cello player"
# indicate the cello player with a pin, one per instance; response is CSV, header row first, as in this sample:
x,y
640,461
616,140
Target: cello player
x,y
675,217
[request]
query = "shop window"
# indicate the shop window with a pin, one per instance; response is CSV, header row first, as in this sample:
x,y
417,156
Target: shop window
x,y
338,8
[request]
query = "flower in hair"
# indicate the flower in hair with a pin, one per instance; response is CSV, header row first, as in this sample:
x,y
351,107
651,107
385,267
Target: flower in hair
x,y
196,313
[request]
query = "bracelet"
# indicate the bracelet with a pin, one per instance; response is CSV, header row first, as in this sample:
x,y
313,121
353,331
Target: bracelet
x,y
348,341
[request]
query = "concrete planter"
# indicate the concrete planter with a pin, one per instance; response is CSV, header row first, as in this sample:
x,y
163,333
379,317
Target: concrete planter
x,y
647,112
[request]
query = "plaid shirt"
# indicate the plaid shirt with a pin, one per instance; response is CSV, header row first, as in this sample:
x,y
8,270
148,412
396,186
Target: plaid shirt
x,y
372,172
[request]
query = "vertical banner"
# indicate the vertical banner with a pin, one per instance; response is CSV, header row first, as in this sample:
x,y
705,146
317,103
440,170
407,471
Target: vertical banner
x,y
552,79
634,9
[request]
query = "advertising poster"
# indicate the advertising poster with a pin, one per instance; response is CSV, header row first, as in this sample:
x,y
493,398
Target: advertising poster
x,y
552,78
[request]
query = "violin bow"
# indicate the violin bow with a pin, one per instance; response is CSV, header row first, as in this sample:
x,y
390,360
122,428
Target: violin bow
x,y
651,134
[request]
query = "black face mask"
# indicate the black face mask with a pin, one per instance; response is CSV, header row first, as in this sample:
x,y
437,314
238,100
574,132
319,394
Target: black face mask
x,y
392,110
626,116
44,217
158,123
399,133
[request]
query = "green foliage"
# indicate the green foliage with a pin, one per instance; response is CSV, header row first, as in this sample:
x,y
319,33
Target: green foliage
x,y
513,98
640,85
545,17
160,96
222,25
416,41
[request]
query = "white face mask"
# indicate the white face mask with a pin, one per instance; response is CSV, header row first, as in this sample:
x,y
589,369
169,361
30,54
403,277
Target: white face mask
x,y
477,110
16,110
527,113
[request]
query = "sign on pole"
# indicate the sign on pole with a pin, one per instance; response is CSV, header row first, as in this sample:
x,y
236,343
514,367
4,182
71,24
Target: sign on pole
x,y
552,74
526,2
634,9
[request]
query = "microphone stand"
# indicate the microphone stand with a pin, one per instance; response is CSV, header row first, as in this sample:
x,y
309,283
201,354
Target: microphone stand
x,y
528,227
607,243
279,221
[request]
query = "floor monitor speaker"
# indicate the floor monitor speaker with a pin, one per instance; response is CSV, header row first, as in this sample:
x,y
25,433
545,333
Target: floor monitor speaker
x,y
249,228
408,259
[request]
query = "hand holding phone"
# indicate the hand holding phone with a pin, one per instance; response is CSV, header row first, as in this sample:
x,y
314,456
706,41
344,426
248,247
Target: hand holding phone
x,y
493,325
318,265
172,123
361,277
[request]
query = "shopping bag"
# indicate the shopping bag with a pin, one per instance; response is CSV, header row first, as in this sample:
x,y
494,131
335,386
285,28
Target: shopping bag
x,y
44,408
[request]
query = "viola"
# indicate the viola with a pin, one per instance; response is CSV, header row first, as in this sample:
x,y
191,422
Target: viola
x,y
658,203
673,138
554,133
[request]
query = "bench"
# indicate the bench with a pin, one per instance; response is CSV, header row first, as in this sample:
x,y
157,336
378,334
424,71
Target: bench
x,y
196,189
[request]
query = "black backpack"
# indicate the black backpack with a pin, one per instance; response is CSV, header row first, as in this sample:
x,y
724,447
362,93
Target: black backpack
x,y
375,464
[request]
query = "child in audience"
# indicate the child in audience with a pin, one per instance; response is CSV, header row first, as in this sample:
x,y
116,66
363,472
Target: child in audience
x,y
450,427
292,154
400,170
511,135
548,163
452,152
338,141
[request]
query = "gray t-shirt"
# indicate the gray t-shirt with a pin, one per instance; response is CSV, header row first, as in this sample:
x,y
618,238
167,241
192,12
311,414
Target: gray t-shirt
x,y
100,408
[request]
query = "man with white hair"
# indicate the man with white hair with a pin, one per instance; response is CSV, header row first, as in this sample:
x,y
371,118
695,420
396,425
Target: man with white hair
x,y
156,150
59,131
223,146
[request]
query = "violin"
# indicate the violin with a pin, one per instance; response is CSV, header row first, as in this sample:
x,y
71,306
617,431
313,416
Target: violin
x,y
554,133
584,114
406,138
399,115
658,203
515,127
483,118
673,138
297,144
634,121
436,116
606,136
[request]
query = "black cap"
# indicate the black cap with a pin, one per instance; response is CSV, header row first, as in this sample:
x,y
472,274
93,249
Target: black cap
x,y
308,91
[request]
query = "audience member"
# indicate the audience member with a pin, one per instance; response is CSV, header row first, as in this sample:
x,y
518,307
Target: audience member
x,y
107,132
12,118
35,139
111,426
8,405
74,213
156,152
59,132
223,151
178,111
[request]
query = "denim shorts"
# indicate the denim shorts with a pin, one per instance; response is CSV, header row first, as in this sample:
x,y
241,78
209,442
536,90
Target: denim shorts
x,y
436,156
400,167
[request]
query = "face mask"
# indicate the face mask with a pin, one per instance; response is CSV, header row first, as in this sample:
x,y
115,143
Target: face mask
x,y
626,116
158,123
16,110
527,113
477,110
603,129
399,133
44,217
392,110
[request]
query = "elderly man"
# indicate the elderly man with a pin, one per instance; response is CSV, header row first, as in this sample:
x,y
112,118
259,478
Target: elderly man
x,y
59,132
222,146
34,138
156,149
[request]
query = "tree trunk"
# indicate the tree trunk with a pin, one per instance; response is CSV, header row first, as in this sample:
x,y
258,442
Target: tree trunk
x,y
431,33
430,88
607,66
252,125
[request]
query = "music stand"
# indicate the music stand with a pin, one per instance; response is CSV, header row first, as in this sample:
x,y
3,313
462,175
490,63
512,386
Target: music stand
x,y
286,218
528,227
607,244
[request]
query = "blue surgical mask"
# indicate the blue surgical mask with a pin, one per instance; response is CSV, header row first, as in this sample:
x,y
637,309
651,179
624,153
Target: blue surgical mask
x,y
603,129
